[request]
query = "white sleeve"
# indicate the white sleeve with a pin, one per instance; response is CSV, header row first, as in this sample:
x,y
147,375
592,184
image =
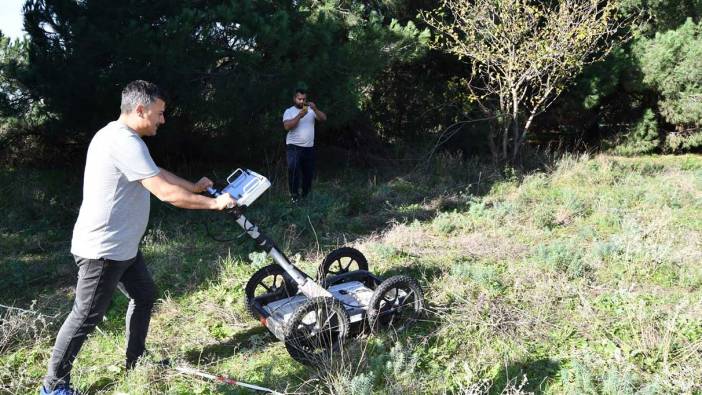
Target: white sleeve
x,y
131,156
289,114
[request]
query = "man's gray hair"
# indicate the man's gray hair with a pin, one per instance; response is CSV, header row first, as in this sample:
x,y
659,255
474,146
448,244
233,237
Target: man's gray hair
x,y
139,92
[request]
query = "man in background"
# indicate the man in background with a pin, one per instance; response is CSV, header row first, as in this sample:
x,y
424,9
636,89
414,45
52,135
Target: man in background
x,y
299,122
119,175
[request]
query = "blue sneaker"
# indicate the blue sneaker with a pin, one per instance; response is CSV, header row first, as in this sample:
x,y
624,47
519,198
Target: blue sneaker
x,y
60,390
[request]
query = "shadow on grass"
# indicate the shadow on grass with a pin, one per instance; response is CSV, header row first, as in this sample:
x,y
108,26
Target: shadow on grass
x,y
538,373
99,386
255,337
417,271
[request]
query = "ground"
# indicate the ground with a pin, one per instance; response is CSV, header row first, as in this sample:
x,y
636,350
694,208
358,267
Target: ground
x,y
579,277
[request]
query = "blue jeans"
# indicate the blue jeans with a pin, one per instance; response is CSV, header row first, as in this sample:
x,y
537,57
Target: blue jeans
x,y
300,169
97,281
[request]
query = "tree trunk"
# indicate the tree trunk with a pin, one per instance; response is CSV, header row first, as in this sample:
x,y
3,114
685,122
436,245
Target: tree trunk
x,y
515,126
521,137
492,137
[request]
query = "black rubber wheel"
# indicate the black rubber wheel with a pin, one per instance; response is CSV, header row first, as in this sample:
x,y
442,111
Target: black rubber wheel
x,y
316,330
340,261
270,281
396,304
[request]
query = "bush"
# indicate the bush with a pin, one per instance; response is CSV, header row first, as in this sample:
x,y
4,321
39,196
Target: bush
x,y
643,137
564,256
670,63
19,327
682,142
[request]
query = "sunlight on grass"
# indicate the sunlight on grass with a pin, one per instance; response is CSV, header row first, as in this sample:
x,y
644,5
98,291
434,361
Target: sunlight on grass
x,y
584,278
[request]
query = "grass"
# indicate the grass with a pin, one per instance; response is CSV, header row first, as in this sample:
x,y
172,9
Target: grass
x,y
580,278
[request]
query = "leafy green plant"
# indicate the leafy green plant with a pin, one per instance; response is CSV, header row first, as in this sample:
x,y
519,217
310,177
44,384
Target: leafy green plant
x,y
643,138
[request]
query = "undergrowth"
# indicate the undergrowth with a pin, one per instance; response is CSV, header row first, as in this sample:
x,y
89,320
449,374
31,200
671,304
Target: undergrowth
x,y
579,278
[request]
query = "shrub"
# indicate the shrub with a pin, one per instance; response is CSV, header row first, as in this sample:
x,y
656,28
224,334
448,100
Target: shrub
x,y
563,256
670,63
18,326
643,137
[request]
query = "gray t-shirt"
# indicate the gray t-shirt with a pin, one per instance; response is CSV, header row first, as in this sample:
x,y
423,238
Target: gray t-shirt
x,y
115,208
303,134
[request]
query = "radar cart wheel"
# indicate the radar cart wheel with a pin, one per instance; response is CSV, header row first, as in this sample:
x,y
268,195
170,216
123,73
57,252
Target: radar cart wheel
x,y
271,283
341,261
316,330
396,304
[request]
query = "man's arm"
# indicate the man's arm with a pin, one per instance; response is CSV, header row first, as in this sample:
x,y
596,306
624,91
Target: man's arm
x,y
292,123
179,196
198,187
320,116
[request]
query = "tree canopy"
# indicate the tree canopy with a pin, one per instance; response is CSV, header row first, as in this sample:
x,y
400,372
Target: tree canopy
x,y
390,73
229,67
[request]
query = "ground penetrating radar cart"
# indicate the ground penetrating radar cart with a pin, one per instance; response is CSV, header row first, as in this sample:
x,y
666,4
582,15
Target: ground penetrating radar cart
x,y
314,317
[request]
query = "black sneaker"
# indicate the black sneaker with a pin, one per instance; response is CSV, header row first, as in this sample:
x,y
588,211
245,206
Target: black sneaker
x,y
161,363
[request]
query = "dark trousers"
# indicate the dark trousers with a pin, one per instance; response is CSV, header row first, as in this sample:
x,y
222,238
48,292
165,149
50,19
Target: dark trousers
x,y
300,169
97,281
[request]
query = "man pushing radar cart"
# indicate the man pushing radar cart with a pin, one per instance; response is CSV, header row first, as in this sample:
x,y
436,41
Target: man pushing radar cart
x,y
314,317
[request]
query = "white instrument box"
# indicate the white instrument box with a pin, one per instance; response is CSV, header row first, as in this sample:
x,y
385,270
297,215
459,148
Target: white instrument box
x,y
245,186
